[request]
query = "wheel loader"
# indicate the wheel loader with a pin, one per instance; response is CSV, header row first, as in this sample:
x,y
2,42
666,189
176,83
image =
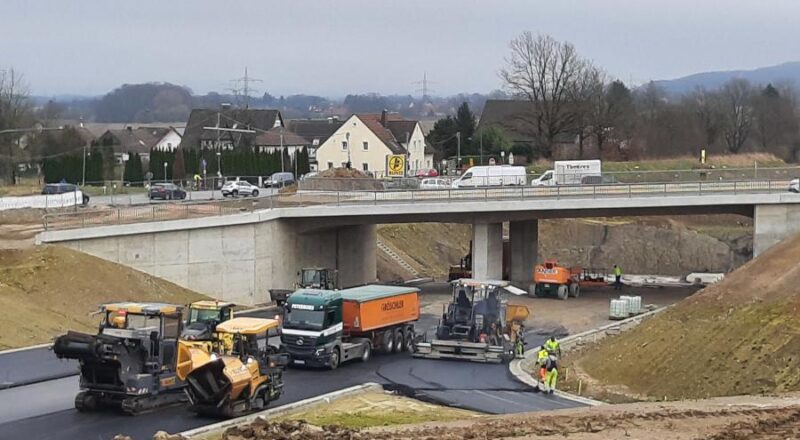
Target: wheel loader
x,y
130,362
477,324
236,380
552,279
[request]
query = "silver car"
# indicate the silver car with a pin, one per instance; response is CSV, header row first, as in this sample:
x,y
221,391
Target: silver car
x,y
239,188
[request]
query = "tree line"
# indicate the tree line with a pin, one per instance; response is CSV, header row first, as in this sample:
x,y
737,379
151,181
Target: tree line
x,y
602,117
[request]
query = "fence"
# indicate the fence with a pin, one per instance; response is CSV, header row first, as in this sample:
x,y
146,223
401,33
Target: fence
x,y
42,201
174,211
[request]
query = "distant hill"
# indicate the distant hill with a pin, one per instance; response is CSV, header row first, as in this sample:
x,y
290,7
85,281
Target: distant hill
x,y
713,80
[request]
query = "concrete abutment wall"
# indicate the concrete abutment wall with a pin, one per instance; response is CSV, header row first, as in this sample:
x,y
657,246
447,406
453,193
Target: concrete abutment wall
x,y
240,263
773,223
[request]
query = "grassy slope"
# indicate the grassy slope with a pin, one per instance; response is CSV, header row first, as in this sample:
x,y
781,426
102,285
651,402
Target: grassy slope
x,y
741,336
45,291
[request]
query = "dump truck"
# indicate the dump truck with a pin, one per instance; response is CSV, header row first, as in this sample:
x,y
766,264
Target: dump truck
x,y
323,328
477,324
552,279
130,363
309,278
233,379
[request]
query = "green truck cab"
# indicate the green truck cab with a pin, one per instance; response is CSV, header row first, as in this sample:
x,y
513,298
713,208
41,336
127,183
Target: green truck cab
x,y
323,328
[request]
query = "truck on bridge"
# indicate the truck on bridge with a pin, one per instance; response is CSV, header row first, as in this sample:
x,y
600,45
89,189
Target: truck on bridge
x,y
324,328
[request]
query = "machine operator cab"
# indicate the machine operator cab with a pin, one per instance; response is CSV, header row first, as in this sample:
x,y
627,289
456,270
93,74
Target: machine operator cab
x,y
204,317
477,308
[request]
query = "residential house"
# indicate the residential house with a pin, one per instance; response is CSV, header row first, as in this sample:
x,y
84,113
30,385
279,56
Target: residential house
x,y
170,141
367,139
238,125
517,120
316,131
129,140
279,138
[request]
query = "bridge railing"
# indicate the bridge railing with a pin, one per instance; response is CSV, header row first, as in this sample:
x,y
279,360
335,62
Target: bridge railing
x,y
176,211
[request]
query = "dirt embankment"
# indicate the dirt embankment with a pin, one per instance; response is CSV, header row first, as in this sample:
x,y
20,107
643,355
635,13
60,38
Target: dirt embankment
x,y
646,245
740,336
718,419
45,291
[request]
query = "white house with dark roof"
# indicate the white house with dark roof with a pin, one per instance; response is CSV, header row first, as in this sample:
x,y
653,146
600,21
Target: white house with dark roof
x,y
367,139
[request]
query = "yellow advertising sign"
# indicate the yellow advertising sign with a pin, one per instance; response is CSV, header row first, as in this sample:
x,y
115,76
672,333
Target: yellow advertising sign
x,y
396,165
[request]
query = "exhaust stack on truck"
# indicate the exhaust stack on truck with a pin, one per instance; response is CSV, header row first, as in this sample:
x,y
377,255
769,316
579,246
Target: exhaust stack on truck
x,y
324,328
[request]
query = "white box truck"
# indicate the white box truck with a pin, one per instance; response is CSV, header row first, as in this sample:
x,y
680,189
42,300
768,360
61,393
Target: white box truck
x,y
494,175
569,172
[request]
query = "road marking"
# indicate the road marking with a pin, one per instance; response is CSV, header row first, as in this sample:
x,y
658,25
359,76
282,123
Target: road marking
x,y
496,397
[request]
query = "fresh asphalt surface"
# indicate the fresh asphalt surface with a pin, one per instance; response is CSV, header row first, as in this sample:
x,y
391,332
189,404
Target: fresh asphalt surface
x,y
44,410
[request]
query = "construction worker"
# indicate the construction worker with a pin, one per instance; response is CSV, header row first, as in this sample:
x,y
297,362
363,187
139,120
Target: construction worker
x,y
519,342
553,347
617,277
551,375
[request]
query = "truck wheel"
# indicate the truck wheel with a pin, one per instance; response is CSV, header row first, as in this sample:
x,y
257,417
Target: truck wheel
x,y
532,291
85,402
388,341
562,292
398,340
575,290
409,340
367,352
334,358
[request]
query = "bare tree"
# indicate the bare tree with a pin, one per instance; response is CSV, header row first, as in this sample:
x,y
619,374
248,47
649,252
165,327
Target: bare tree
x,y
611,111
14,108
736,98
775,123
545,72
706,109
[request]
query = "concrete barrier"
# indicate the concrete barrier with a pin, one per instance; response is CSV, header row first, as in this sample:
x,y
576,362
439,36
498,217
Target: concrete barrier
x,y
208,430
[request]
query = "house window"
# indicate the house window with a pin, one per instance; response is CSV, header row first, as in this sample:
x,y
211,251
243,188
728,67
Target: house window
x,y
366,145
315,142
330,165
365,166
344,145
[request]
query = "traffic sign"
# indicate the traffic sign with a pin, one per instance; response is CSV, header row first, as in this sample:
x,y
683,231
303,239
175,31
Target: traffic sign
x,y
396,165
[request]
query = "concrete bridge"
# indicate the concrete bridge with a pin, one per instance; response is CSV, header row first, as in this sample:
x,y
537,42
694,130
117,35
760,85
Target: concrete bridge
x,y
239,257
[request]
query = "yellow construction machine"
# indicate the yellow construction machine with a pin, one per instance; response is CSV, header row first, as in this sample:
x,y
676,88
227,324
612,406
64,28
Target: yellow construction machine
x,y
240,374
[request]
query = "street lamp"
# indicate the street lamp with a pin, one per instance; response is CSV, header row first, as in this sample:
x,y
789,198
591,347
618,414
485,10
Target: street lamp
x,y
165,171
349,163
219,164
502,157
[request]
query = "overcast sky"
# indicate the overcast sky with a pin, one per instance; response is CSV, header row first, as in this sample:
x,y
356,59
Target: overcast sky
x,y
334,47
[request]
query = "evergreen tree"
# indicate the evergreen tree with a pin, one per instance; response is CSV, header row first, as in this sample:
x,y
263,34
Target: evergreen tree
x,y
178,167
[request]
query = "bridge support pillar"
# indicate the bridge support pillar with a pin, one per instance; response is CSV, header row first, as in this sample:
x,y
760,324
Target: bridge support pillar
x,y
356,258
487,251
524,242
773,223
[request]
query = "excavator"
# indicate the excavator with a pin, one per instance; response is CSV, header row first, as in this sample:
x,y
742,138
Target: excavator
x,y
478,324
241,373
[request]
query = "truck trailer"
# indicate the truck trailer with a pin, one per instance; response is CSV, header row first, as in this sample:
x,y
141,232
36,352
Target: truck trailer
x,y
323,328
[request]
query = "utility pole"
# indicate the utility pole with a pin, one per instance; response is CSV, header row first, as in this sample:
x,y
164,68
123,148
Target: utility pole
x,y
83,175
282,168
458,152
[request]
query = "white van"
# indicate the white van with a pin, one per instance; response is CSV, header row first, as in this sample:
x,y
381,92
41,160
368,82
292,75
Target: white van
x,y
496,175
569,172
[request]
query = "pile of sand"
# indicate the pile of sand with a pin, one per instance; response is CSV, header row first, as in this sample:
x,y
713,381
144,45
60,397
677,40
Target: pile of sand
x,y
741,336
45,291
351,173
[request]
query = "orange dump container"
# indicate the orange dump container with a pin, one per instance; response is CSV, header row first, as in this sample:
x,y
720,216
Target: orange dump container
x,y
374,307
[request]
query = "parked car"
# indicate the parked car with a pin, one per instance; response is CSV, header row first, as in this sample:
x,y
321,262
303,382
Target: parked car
x,y
309,175
61,188
794,185
279,180
166,191
427,172
434,183
239,187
